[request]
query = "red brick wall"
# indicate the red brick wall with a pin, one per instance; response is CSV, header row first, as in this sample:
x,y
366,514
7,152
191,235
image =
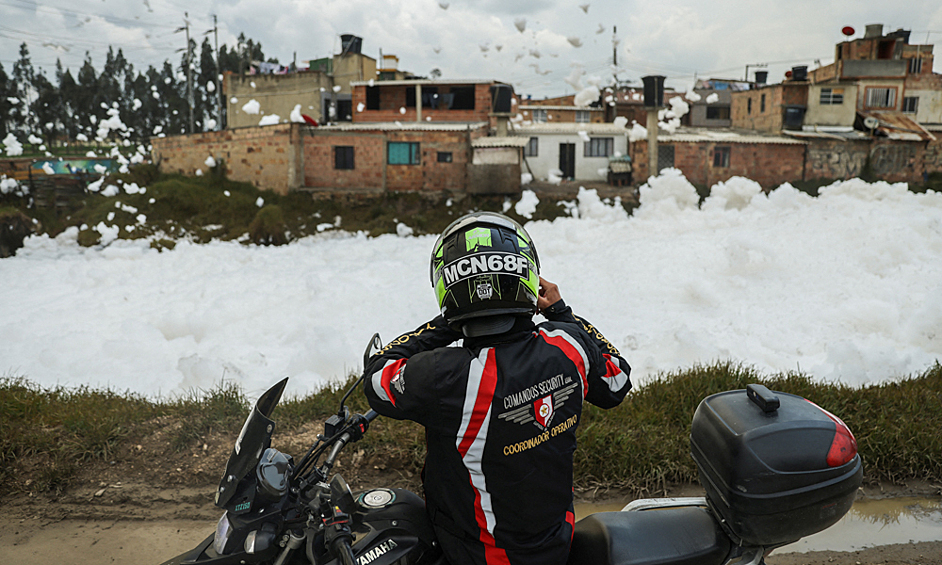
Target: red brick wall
x,y
769,164
368,160
371,173
769,120
264,156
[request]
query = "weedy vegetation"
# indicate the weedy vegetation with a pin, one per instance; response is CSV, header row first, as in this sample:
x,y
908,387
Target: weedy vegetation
x,y
641,446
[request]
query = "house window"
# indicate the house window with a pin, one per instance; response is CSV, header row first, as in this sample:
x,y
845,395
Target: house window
x,y
721,157
832,96
430,97
444,156
533,148
881,97
372,98
599,147
402,153
915,65
749,105
462,98
343,157
539,116
717,112
910,104
762,104
582,116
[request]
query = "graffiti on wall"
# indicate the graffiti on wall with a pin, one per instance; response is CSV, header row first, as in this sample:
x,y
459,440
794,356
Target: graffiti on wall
x,y
836,161
889,159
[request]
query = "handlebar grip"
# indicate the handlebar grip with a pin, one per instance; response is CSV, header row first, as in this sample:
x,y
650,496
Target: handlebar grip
x,y
371,415
342,547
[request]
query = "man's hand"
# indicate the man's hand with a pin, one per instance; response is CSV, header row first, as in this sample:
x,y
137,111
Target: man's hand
x,y
549,295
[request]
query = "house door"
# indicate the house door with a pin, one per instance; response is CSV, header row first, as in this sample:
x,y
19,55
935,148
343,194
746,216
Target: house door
x,y
567,160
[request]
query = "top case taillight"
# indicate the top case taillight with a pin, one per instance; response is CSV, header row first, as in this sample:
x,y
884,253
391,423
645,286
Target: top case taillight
x,y
844,445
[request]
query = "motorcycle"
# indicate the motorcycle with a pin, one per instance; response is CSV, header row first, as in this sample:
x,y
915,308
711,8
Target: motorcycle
x,y
775,468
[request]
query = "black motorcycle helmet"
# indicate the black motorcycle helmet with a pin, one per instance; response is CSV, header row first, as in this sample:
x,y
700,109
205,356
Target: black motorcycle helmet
x,y
485,272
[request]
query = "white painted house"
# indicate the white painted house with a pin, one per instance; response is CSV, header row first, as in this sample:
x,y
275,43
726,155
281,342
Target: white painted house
x,y
571,150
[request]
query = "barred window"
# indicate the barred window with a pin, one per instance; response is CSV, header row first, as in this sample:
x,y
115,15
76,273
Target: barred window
x,y
539,116
444,157
343,157
881,97
583,116
910,104
915,65
832,96
599,147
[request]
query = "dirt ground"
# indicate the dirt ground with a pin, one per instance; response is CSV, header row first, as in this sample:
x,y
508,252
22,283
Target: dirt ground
x,y
149,504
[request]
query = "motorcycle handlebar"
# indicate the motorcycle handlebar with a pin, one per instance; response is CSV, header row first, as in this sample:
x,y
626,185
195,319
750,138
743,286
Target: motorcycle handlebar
x,y
343,549
347,436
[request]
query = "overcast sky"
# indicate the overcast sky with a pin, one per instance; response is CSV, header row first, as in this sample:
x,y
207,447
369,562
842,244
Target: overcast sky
x,y
479,39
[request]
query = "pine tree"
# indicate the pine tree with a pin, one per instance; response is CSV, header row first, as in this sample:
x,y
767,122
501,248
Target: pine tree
x,y
5,105
23,75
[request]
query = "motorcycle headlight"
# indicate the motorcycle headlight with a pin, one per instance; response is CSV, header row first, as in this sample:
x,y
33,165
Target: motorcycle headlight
x,y
223,531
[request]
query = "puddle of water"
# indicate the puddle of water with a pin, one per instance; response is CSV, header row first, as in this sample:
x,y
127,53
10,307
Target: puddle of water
x,y
869,523
877,522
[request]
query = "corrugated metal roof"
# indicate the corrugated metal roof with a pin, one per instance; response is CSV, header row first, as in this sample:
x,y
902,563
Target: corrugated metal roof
x,y
839,135
500,142
899,126
569,127
405,126
539,107
717,135
932,127
432,82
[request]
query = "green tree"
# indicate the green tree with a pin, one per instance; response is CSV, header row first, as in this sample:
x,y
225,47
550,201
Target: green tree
x,y
23,75
207,109
45,108
6,91
87,100
68,90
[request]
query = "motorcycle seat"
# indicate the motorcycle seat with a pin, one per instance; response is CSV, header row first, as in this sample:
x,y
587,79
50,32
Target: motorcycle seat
x,y
670,536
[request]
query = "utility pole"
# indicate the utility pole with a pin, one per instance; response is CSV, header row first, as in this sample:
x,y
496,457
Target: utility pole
x,y
218,74
189,72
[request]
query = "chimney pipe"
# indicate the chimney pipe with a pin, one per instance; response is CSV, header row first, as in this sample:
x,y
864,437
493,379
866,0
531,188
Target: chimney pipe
x,y
873,30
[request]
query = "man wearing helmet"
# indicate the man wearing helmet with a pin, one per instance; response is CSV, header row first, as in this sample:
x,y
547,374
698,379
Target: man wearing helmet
x,y
501,411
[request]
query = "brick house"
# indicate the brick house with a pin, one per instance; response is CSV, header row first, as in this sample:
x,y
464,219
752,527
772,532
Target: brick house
x,y
561,109
467,101
385,156
708,156
323,92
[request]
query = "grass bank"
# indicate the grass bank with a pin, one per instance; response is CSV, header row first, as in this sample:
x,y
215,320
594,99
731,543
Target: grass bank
x,y
212,207
642,445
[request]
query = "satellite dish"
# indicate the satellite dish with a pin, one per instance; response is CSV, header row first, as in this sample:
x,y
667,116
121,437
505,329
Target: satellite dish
x,y
848,31
871,123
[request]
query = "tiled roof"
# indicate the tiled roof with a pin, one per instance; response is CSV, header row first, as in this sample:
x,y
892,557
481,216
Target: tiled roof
x,y
517,141
724,135
405,126
569,127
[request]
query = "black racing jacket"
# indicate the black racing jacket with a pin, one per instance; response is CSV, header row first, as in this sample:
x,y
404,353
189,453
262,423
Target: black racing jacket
x,y
500,418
